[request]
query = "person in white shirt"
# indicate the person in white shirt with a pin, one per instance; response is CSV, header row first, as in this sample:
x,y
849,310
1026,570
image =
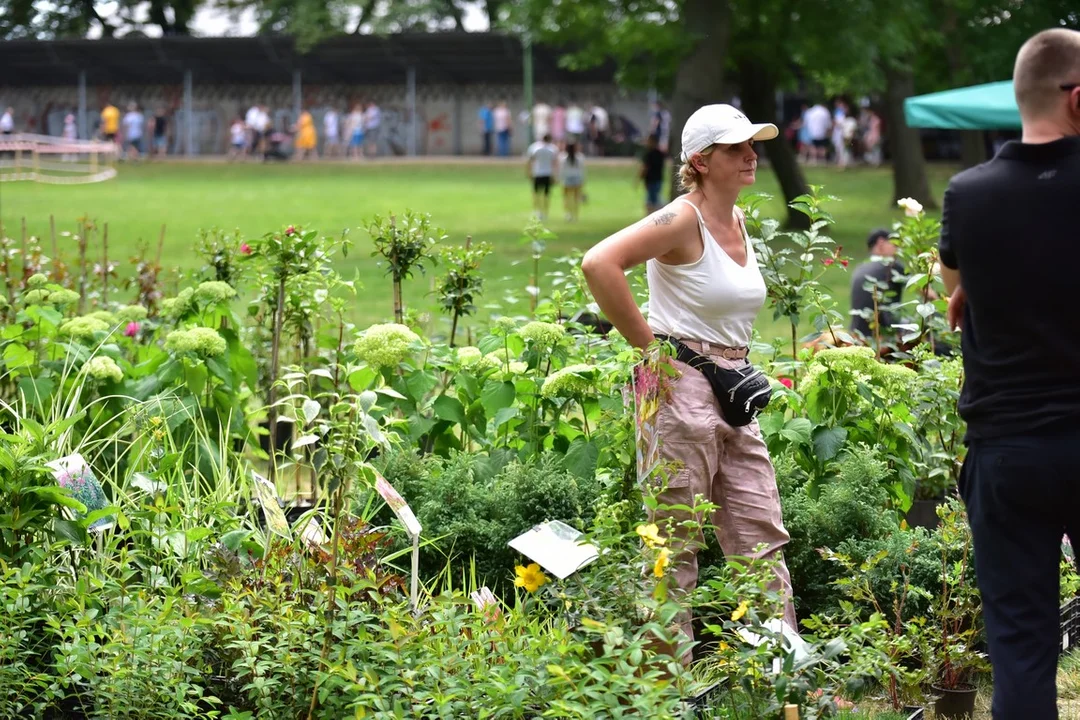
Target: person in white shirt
x,y
598,129
7,121
502,129
331,131
251,121
541,165
372,123
354,131
572,167
237,138
71,132
133,131
575,123
541,120
818,122
705,290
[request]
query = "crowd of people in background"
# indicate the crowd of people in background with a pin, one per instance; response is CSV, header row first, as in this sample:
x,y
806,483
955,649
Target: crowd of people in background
x,y
840,136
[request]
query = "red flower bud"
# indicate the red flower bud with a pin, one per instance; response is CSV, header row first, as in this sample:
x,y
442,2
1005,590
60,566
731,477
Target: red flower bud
x,y
245,249
786,382
844,263
827,261
290,230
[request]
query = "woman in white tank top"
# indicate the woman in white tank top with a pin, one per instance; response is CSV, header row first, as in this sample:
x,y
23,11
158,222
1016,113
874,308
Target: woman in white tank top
x,y
705,289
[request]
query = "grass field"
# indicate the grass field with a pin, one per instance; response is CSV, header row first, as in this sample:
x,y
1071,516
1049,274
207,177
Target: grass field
x,y
490,202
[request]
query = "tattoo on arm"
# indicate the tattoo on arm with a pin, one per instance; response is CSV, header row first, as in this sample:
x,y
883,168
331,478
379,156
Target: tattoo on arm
x,y
664,218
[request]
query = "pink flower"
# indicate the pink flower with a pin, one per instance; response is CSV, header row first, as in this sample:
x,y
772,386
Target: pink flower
x,y
786,382
827,262
132,329
245,249
290,230
844,263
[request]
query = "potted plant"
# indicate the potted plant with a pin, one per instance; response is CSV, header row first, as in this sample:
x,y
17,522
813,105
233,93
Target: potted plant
x,y
957,619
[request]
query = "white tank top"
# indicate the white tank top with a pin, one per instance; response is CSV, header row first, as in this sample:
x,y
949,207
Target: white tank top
x,y
713,299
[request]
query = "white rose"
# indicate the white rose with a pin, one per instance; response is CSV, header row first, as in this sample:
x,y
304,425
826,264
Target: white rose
x,y
912,207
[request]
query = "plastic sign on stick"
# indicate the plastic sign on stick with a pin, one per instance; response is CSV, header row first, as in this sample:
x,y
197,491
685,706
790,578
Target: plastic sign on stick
x,y
266,494
398,505
74,473
412,527
556,547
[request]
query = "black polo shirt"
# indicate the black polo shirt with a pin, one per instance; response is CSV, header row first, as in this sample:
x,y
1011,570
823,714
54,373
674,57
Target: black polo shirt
x,y
1011,226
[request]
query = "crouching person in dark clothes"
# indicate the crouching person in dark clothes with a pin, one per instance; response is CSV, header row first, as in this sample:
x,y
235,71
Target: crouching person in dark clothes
x,y
1007,227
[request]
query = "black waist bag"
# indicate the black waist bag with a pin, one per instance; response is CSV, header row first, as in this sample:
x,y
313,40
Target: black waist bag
x,y
742,392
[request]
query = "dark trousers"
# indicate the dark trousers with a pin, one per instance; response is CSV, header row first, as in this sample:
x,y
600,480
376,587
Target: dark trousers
x,y
1022,495
487,143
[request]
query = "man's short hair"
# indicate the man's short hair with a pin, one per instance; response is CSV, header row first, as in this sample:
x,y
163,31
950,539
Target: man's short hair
x,y
547,137
1045,62
878,234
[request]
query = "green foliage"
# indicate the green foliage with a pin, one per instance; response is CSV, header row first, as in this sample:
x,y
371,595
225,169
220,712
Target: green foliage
x,y
473,505
462,282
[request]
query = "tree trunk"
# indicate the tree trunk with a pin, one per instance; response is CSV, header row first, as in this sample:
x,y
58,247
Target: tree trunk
x,y
700,79
905,146
757,87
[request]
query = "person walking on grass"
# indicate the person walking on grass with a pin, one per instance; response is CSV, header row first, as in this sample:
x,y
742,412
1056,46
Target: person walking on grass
x,y
354,126
1007,226
134,122
306,137
705,289
572,165
541,165
159,130
237,138
331,132
652,173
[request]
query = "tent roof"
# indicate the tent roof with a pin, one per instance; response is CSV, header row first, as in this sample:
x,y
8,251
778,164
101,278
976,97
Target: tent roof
x,y
441,57
980,107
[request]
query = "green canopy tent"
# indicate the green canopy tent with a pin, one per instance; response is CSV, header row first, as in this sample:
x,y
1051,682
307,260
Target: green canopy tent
x,y
980,107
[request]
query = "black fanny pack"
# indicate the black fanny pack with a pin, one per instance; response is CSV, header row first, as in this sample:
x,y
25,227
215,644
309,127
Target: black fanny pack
x,y
742,392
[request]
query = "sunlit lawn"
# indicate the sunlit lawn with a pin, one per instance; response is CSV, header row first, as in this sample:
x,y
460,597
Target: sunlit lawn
x,y
489,202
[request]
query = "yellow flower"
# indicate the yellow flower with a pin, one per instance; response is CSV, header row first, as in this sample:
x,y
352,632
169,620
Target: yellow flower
x,y
740,611
156,420
530,578
661,564
651,535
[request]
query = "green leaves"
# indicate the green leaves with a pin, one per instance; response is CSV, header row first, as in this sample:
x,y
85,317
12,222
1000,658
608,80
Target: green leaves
x,y
828,441
497,396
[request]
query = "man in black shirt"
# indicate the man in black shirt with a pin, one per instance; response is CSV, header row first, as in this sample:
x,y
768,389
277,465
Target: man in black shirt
x,y
1009,229
652,172
875,288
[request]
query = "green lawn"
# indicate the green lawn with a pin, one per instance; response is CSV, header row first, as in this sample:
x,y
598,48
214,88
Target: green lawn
x,y
489,202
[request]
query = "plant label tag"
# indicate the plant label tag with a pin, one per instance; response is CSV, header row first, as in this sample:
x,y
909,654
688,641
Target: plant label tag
x,y
75,474
266,494
555,546
398,505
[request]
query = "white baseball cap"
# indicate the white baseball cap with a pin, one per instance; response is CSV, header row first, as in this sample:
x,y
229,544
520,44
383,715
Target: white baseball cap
x,y
722,124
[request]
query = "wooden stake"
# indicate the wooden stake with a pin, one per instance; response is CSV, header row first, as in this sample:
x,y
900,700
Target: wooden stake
x,y
160,245
105,267
22,251
791,712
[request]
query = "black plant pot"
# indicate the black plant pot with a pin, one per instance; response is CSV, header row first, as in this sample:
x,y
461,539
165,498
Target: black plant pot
x,y
283,442
923,513
914,712
955,703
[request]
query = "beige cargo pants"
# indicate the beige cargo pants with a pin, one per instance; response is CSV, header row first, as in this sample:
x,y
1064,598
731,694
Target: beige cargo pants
x,y
727,466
